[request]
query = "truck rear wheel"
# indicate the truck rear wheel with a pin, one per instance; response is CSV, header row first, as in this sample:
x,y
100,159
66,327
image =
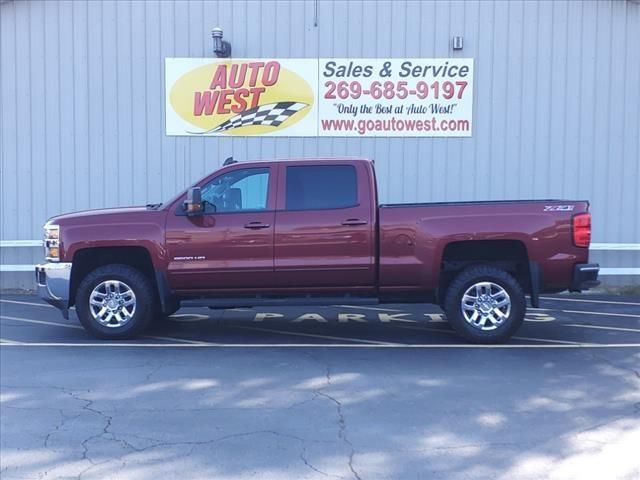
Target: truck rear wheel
x,y
115,302
485,304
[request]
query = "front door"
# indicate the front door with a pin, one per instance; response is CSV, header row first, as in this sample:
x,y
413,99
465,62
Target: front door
x,y
231,244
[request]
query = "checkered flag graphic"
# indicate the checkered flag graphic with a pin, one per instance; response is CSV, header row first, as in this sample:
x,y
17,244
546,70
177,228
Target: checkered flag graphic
x,y
271,114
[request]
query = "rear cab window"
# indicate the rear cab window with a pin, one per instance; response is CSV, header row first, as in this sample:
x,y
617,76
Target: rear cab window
x,y
321,187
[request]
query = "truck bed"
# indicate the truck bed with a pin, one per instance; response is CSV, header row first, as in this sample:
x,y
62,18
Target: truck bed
x,y
413,237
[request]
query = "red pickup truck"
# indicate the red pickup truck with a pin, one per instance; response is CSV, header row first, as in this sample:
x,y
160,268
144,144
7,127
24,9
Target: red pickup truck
x,y
296,232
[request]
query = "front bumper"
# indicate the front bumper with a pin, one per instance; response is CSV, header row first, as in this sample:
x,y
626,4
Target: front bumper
x,y
585,276
53,281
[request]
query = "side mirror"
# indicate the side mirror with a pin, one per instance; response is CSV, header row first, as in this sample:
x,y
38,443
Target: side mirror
x,y
193,203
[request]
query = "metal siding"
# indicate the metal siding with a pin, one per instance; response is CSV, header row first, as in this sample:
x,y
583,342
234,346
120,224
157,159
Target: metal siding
x,y
556,107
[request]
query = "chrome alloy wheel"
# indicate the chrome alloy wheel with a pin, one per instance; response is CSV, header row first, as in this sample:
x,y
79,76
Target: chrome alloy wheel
x,y
112,303
485,305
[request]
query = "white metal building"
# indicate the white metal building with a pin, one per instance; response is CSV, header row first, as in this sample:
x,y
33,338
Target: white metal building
x,y
556,109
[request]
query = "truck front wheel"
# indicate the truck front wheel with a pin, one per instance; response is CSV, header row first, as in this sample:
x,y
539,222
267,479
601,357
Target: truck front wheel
x,y
115,302
485,304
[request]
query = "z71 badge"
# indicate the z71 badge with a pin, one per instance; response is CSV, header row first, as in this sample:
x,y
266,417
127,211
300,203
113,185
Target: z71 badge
x,y
558,208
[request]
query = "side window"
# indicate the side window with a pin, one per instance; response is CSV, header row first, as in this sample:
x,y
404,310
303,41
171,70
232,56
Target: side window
x,y
321,187
237,191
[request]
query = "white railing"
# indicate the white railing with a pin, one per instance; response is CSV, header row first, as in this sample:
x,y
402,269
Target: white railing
x,y
594,246
614,246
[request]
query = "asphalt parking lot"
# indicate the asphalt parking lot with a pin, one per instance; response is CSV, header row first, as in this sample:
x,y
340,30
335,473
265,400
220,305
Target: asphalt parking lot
x,y
314,393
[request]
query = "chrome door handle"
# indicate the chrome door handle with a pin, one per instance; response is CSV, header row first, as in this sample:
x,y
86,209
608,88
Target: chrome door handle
x,y
354,221
256,225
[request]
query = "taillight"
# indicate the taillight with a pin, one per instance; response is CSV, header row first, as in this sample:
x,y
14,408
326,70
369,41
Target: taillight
x,y
582,230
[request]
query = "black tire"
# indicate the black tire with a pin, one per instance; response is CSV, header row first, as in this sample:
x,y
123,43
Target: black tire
x,y
485,273
145,301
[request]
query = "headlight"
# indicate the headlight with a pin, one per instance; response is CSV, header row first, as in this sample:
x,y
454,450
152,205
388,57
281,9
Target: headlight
x,y
52,243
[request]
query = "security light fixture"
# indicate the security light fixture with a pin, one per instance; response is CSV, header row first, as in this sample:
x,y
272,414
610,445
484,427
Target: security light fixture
x,y
457,43
221,48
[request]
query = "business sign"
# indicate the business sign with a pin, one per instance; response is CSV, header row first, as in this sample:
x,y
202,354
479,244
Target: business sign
x,y
319,97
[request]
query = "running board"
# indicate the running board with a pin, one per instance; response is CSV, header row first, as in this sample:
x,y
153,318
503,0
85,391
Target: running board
x,y
248,302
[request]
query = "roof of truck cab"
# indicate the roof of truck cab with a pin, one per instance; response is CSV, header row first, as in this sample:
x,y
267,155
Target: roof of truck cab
x,y
302,159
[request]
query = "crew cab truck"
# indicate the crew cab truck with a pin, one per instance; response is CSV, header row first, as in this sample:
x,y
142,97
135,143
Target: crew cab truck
x,y
295,232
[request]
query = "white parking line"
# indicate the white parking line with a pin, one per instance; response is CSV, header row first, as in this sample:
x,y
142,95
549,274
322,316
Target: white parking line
x,y
358,342
27,303
598,327
451,332
588,301
41,322
534,339
316,345
313,335
46,305
172,339
426,329
281,332
369,308
631,315
78,327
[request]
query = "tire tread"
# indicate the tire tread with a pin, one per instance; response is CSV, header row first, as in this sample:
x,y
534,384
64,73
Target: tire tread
x,y
475,274
145,301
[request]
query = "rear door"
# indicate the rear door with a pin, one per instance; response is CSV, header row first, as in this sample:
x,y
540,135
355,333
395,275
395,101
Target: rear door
x,y
324,234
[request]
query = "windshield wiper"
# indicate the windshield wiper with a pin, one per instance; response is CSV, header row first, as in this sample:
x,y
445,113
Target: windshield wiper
x,y
153,206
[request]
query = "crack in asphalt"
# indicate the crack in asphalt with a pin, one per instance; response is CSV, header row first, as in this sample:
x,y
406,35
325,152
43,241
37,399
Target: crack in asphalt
x,y
636,373
302,442
342,424
56,428
614,364
89,406
153,371
325,388
342,433
198,443
85,443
